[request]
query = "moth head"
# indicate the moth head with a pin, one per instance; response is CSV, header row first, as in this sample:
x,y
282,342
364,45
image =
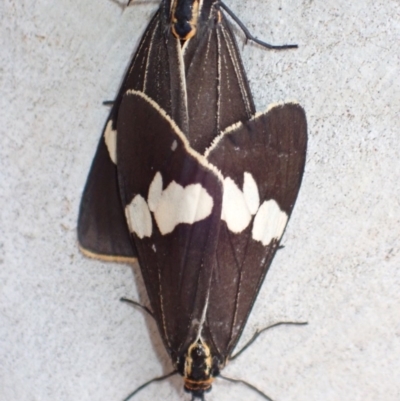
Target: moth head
x,y
184,18
198,369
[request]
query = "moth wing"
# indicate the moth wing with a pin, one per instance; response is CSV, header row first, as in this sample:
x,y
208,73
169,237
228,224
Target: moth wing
x,y
172,198
102,230
219,93
262,162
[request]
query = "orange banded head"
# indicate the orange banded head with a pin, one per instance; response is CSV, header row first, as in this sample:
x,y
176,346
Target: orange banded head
x,y
184,16
198,369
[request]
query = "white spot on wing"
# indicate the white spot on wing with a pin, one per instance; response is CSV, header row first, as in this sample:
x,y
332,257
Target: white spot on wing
x,y
182,205
155,191
138,217
269,222
250,192
110,137
174,145
235,211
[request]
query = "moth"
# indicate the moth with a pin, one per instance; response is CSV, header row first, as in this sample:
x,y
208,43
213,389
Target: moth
x,y
192,182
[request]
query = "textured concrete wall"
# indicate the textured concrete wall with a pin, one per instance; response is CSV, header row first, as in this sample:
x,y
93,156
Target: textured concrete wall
x,y
63,334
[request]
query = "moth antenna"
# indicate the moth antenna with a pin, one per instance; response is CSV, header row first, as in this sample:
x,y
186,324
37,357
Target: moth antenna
x,y
249,36
108,103
137,304
156,379
248,385
121,4
258,332
129,3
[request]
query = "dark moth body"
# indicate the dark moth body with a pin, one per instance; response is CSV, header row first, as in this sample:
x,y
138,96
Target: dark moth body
x,y
195,186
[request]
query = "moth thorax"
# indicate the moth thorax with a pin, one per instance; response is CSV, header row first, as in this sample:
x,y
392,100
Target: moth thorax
x,y
198,373
184,16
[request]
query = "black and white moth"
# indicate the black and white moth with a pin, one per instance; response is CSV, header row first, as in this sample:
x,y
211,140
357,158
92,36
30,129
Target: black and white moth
x,y
196,185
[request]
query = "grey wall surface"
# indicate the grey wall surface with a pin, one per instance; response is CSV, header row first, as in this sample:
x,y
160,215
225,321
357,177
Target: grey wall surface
x,y
63,333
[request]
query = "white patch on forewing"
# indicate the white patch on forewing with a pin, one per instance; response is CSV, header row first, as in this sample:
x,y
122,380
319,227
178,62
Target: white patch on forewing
x,y
174,145
235,211
110,137
182,205
269,222
238,206
155,191
138,217
250,192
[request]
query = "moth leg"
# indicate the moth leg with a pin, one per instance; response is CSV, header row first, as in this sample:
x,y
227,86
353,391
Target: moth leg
x,y
249,36
201,398
134,303
258,332
248,385
108,103
156,379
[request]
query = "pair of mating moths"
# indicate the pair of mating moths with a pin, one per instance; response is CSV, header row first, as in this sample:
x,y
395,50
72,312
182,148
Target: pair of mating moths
x,y
191,181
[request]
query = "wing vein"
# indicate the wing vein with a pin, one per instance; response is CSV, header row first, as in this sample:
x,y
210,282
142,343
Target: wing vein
x,y
237,67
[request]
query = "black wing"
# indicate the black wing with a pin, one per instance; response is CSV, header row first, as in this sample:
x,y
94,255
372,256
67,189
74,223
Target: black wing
x,y
172,199
262,162
155,70
102,229
217,95
218,92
